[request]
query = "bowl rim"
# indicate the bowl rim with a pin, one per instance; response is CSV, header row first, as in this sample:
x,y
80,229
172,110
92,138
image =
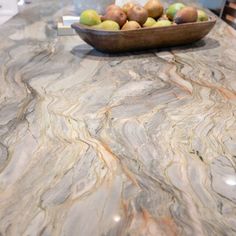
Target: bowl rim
x,y
85,28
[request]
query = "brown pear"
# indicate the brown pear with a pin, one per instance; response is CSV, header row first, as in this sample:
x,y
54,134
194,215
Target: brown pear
x,y
112,7
126,7
163,17
131,25
154,8
116,15
137,13
186,15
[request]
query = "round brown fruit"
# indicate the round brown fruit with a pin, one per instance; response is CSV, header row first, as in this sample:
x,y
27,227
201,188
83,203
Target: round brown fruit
x,y
186,15
112,7
138,13
116,15
126,7
163,17
154,8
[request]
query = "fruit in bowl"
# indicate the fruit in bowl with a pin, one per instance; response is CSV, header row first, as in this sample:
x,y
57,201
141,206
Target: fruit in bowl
x,y
154,8
149,22
186,15
161,23
117,15
135,17
108,25
131,28
202,16
126,7
173,9
138,14
131,25
90,17
112,7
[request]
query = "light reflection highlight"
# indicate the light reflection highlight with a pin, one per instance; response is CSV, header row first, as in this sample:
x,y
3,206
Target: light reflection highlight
x,y
116,218
231,181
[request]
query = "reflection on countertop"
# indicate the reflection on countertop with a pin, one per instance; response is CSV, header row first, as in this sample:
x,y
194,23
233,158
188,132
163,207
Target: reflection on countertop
x,y
134,144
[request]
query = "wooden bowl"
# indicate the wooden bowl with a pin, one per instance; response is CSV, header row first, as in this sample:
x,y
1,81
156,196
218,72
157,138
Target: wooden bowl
x,y
145,38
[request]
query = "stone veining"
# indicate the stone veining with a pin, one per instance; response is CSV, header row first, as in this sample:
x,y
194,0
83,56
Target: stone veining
x,y
131,144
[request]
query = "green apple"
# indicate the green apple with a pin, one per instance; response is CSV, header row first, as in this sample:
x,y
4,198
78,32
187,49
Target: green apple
x,y
90,17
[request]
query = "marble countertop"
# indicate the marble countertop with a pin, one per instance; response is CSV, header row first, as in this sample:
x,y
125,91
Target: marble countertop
x,y
135,144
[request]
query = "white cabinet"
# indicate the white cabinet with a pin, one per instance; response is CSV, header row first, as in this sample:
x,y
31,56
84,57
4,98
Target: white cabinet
x,y
8,7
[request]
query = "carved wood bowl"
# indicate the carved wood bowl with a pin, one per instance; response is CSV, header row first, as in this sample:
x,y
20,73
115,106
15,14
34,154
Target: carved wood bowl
x,y
144,38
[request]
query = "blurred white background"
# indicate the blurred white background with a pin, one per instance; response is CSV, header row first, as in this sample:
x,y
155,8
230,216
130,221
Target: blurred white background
x,y
8,8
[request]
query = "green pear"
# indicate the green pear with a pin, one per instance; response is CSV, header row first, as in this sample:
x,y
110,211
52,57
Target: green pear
x,y
202,16
172,10
131,25
108,25
149,22
161,23
90,17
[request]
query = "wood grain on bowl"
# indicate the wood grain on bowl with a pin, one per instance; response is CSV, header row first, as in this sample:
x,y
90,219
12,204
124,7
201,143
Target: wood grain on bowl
x,y
145,38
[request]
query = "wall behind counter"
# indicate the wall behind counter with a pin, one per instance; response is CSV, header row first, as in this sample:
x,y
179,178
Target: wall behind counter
x,y
212,4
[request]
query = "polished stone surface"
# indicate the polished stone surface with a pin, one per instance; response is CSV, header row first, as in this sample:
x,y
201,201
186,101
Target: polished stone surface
x,y
135,144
